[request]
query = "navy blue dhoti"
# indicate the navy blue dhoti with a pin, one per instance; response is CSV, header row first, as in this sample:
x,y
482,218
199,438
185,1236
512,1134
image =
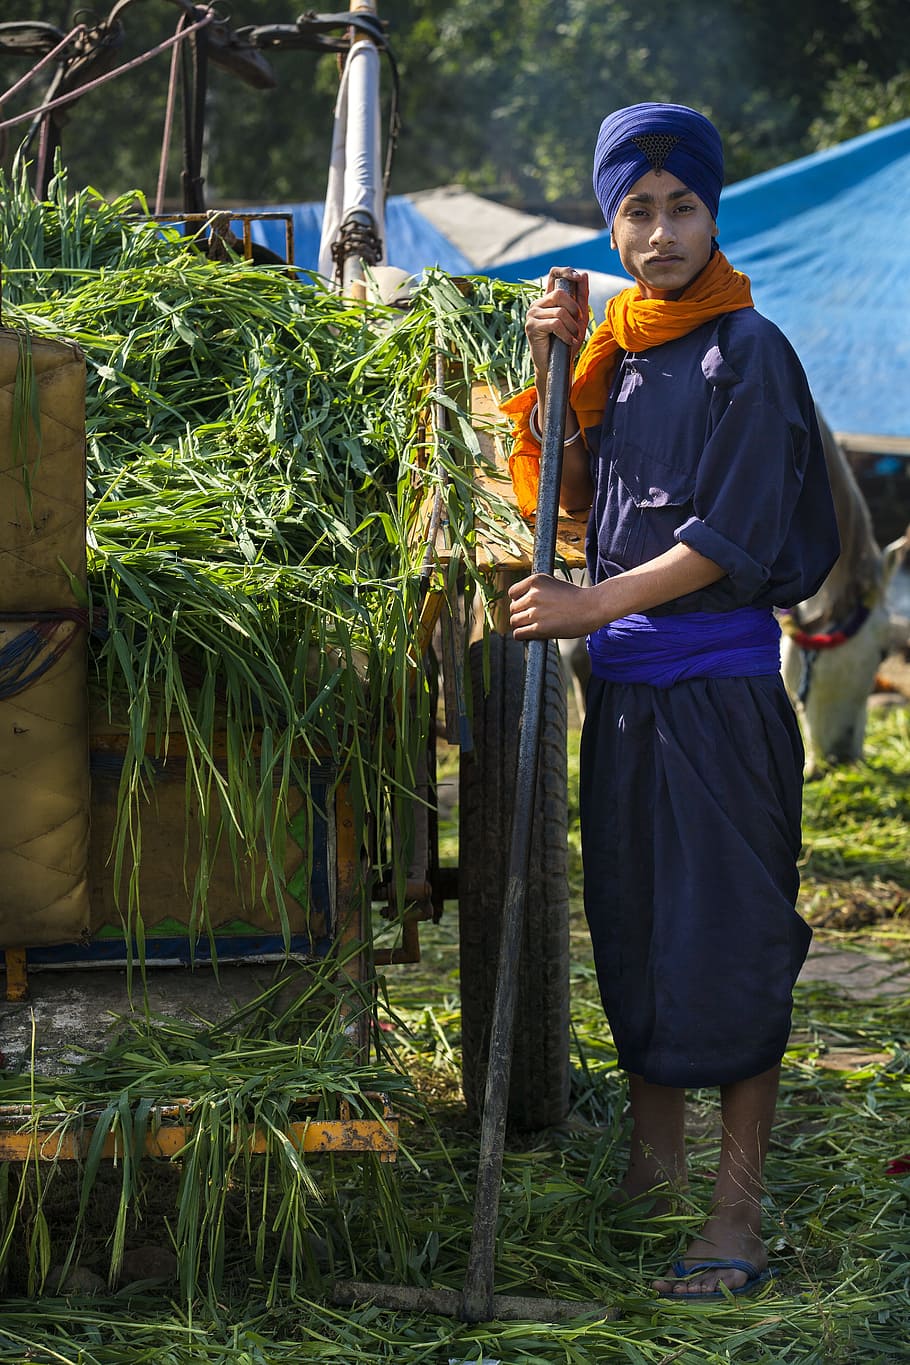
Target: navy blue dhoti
x,y
690,813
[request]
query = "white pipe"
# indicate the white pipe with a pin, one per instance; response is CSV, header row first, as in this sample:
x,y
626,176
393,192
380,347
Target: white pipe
x,y
355,191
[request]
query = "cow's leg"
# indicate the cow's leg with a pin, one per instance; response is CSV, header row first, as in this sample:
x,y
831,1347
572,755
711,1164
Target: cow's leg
x,y
796,670
576,666
573,654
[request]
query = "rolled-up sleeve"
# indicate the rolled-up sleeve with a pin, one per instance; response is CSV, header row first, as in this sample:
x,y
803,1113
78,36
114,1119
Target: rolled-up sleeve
x,y
747,487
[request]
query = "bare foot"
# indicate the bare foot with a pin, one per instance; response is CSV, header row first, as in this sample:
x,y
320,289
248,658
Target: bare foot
x,y
723,1237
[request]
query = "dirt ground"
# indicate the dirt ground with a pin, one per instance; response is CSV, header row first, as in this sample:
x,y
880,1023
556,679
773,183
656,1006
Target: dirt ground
x,y
71,1010
858,975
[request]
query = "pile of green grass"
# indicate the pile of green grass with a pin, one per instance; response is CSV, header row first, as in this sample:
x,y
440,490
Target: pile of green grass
x,y
261,460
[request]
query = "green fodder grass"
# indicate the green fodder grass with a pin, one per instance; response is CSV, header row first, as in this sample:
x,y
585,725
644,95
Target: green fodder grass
x,y
260,460
287,1057
856,869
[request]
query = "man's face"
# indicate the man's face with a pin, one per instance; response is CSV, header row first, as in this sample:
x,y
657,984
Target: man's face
x,y
663,234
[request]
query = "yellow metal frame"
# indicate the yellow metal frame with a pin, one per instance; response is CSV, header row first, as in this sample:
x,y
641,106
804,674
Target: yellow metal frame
x,y
24,1139
344,1135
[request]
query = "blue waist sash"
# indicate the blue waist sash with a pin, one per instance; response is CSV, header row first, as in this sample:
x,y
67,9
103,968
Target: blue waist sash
x,y
662,650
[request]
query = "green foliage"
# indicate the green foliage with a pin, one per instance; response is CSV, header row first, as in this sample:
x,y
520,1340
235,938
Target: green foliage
x,y
855,102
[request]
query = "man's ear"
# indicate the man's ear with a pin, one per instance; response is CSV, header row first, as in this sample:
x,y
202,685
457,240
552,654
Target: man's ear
x,y
613,239
714,229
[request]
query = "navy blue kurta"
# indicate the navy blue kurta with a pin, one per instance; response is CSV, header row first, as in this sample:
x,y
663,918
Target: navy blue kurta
x,y
691,794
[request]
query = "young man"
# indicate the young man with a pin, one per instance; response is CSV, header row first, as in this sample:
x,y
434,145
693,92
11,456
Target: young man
x,y
693,452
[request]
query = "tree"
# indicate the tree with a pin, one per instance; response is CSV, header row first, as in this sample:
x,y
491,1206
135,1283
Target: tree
x,y
260,145
505,96
855,102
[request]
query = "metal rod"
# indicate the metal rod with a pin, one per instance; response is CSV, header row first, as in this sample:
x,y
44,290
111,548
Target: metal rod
x,y
478,1289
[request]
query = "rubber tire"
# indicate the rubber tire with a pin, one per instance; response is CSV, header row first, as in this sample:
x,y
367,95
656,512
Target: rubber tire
x,y
539,1086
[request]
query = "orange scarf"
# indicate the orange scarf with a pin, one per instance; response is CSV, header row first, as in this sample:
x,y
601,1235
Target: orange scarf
x,y
631,324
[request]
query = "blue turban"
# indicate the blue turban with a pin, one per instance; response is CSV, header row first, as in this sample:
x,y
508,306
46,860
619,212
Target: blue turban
x,y
653,137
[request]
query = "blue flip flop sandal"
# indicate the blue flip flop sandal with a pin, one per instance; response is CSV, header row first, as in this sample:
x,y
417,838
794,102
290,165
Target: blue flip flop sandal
x,y
756,1278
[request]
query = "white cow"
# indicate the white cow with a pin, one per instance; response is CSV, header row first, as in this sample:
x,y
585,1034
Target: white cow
x,y
834,643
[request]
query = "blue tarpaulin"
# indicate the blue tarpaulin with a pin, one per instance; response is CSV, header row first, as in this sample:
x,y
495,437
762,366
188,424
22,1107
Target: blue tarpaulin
x,y
412,243
821,241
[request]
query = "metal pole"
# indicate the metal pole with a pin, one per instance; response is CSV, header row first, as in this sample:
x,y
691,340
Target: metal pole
x,y
478,1288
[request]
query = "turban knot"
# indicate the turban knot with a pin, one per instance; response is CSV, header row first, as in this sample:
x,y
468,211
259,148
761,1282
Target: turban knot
x,y
653,137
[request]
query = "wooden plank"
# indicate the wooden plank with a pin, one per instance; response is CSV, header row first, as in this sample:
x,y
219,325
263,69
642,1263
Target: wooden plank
x,y
493,475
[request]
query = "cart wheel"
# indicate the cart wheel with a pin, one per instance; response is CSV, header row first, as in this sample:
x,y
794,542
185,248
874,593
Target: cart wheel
x,y
539,1089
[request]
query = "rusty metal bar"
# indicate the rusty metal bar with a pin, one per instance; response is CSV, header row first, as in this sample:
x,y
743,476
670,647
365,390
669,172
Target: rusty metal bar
x,y
16,974
351,907
409,948
245,218
235,216
415,889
